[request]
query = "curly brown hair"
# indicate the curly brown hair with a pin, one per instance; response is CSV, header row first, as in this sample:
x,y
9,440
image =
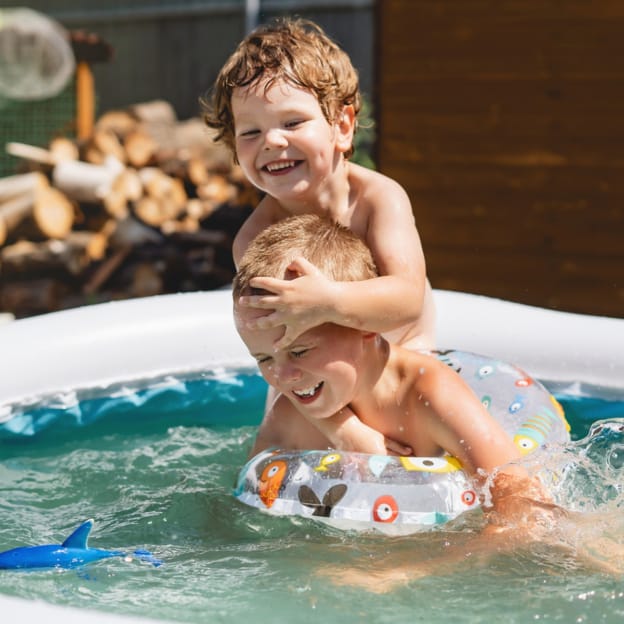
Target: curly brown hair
x,y
295,50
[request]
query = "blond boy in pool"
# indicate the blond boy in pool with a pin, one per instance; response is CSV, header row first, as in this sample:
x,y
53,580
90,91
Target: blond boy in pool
x,y
286,102
351,389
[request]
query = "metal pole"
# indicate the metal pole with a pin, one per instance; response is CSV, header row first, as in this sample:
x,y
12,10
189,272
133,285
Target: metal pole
x,y
252,14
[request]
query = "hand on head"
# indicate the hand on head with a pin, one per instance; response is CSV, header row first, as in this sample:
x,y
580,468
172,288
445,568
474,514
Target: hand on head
x,y
299,303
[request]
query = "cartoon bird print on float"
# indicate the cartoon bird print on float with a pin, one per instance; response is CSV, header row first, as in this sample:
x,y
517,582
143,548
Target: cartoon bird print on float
x,y
330,465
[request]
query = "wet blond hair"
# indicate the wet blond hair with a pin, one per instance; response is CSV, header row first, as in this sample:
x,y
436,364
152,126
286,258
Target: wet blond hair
x,y
294,50
334,249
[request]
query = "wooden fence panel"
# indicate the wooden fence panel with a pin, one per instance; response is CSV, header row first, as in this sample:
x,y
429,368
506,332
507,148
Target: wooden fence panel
x,y
504,123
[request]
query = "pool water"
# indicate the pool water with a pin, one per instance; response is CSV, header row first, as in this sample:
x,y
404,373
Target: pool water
x,y
160,477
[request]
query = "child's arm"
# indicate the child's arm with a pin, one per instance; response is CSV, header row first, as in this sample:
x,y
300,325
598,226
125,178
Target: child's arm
x,y
459,424
563,536
346,432
388,302
284,427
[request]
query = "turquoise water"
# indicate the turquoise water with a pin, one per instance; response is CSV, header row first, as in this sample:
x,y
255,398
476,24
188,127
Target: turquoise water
x,y
159,476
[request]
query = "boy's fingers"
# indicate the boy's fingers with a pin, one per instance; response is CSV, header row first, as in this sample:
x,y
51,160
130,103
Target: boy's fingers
x,y
266,283
396,448
290,335
267,321
301,266
258,301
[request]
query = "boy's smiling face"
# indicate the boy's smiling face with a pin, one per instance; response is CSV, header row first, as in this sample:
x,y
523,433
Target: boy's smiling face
x,y
319,372
284,144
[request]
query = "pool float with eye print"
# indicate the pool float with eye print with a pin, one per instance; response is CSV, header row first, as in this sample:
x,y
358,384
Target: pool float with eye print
x,y
402,494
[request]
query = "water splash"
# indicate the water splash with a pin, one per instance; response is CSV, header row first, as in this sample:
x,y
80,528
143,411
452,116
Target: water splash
x,y
586,475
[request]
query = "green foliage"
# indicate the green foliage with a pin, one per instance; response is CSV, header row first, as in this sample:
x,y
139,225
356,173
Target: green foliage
x,y
364,140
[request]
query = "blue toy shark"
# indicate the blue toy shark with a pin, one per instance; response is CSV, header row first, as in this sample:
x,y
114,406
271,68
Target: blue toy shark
x,y
72,553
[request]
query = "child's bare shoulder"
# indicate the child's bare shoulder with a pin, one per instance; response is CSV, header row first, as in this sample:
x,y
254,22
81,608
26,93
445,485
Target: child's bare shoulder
x,y
371,181
422,368
266,213
376,191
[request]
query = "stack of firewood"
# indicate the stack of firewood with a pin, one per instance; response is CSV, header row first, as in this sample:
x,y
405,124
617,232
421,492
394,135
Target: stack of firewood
x,y
147,205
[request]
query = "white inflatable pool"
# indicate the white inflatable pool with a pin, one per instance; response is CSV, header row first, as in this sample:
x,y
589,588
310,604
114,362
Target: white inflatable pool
x,y
99,346
102,347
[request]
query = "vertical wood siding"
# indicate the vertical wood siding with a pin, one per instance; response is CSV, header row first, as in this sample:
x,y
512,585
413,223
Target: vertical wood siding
x,y
505,123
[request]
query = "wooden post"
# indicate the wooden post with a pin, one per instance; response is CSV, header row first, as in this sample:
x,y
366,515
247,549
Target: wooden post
x,y
85,100
88,48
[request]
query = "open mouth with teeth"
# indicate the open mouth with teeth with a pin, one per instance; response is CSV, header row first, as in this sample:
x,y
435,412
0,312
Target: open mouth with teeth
x,y
308,395
281,167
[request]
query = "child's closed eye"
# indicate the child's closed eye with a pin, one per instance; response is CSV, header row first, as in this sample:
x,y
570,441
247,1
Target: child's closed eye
x,y
246,134
298,353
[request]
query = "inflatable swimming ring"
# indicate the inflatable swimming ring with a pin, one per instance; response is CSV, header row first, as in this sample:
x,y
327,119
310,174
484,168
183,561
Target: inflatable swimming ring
x,y
402,494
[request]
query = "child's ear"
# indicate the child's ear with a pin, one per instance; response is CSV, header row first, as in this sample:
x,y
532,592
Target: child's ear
x,y
345,126
292,271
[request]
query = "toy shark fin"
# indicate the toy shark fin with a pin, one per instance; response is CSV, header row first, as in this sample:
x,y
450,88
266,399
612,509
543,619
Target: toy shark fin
x,y
78,539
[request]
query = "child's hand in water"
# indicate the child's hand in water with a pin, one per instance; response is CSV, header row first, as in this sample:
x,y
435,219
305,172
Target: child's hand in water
x,y
376,582
299,303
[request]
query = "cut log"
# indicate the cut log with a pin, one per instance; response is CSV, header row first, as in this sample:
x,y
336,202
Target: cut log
x,y
189,139
150,211
132,233
39,212
165,197
160,185
217,189
85,181
15,210
140,148
30,152
129,184
53,213
121,122
154,112
94,244
187,224
104,143
199,209
116,204
145,204
17,200
197,171
70,256
20,184
62,148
